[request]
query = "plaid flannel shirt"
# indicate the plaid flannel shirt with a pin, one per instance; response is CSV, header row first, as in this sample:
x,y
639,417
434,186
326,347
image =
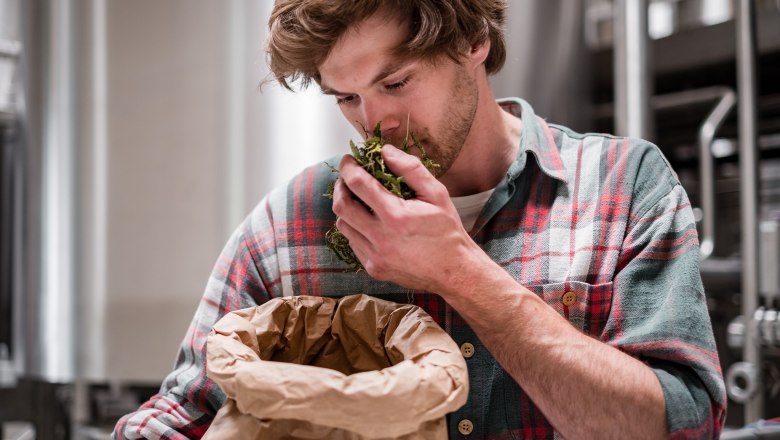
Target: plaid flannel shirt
x,y
599,216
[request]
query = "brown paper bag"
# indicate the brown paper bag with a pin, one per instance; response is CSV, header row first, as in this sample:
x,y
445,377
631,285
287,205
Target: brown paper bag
x,y
352,368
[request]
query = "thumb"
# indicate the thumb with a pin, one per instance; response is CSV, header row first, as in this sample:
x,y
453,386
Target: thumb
x,y
414,173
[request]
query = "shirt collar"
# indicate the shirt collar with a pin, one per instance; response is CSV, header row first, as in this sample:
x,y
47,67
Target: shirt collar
x,y
536,138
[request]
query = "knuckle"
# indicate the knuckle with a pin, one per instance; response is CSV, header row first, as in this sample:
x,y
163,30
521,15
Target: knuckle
x,y
394,218
338,206
370,268
408,163
354,181
375,269
398,221
382,244
440,192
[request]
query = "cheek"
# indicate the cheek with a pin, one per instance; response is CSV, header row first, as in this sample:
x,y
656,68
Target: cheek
x,y
427,111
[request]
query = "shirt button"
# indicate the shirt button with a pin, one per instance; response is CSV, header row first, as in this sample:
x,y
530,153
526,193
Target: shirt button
x,y
569,298
465,427
467,350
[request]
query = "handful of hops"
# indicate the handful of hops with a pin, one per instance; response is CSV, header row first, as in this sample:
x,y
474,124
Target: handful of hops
x,y
369,156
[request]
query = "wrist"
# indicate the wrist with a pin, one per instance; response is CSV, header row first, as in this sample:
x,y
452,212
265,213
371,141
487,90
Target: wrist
x,y
476,281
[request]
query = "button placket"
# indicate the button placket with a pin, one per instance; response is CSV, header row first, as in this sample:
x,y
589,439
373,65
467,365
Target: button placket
x,y
464,420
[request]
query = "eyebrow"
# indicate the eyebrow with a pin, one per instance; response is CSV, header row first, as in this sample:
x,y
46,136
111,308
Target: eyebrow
x,y
386,71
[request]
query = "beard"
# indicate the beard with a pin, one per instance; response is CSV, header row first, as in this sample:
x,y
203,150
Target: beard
x,y
455,126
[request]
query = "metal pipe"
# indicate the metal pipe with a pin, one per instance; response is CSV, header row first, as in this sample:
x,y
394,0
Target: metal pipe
x,y
748,164
59,200
726,98
632,70
707,170
46,295
27,198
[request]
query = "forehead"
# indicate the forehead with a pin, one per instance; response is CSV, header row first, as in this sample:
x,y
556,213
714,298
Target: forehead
x,y
363,50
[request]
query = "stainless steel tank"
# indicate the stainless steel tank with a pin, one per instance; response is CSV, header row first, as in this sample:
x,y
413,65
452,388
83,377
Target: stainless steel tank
x,y
547,60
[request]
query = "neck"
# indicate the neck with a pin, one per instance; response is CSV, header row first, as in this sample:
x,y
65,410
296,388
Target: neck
x,y
490,147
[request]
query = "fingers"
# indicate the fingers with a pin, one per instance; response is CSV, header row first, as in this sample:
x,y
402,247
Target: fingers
x,y
348,208
350,212
365,187
357,241
425,186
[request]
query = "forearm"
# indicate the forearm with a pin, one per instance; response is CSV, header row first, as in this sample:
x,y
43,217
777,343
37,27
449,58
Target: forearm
x,y
585,388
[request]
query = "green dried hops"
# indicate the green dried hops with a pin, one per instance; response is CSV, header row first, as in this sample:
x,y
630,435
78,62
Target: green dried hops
x,y
369,156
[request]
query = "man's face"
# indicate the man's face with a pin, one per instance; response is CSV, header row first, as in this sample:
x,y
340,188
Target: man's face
x,y
439,100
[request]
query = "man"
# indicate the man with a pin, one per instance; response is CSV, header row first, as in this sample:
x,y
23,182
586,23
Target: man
x,y
565,265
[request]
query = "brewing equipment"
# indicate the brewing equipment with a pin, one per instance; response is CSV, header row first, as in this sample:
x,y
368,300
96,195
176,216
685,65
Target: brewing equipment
x,y
127,157
716,108
141,142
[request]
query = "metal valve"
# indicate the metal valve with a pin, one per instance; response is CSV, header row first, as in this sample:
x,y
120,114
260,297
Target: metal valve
x,y
742,381
767,325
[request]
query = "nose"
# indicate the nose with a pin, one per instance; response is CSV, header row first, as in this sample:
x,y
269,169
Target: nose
x,y
376,111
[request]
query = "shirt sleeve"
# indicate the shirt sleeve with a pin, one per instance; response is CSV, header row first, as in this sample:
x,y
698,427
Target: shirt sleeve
x,y
659,311
188,399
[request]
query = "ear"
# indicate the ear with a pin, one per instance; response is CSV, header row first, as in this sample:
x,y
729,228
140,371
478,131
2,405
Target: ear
x,y
479,53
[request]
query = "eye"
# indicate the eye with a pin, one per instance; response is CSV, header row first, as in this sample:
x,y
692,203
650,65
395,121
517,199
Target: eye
x,y
397,85
346,100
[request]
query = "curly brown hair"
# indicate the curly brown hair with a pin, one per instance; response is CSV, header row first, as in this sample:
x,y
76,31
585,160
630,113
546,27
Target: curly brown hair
x,y
303,32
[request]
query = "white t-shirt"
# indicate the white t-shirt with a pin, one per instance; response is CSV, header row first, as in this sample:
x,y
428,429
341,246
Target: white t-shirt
x,y
469,207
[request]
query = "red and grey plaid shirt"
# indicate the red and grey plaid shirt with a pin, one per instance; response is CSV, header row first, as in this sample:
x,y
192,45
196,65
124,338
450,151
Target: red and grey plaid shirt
x,y
602,217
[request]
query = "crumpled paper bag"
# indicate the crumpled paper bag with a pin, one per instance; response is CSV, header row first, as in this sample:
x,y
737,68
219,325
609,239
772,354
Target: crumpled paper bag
x,y
352,368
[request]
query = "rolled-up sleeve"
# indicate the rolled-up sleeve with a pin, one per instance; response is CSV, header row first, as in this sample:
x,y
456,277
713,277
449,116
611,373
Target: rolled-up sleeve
x,y
659,314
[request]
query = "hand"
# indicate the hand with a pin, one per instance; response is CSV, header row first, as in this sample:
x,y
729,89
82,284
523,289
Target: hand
x,y
418,243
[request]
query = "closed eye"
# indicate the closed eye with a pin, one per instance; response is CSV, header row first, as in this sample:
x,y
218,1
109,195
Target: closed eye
x,y
345,100
397,85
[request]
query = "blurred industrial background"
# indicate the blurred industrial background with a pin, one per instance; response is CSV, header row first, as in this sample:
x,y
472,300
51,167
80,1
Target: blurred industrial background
x,y
134,138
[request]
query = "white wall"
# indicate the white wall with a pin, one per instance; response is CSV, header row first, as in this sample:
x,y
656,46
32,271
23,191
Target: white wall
x,y
178,146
